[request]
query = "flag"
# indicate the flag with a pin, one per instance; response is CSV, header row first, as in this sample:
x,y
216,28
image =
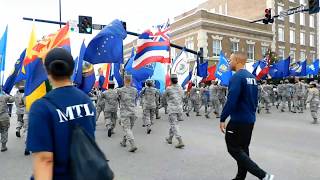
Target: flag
x,y
181,66
262,70
77,73
139,75
187,79
298,68
163,32
88,78
3,48
280,69
258,66
35,73
211,72
107,45
159,75
116,75
150,51
107,76
313,69
223,72
11,80
202,69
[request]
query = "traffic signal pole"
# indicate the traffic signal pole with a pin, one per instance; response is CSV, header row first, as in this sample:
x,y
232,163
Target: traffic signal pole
x,y
99,27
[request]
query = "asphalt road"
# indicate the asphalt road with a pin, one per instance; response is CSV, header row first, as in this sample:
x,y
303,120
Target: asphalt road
x,y
284,144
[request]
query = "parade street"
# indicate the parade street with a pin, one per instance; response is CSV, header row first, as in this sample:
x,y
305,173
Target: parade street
x,y
284,144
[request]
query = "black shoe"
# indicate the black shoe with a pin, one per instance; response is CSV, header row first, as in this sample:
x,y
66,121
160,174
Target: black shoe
x,y
148,131
3,149
18,133
187,114
26,152
143,125
158,117
180,120
207,116
109,132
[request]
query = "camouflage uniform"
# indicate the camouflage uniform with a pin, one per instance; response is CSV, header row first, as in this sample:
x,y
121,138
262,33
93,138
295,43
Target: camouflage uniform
x,y
280,90
286,96
213,100
173,96
194,101
111,101
204,98
158,103
100,104
222,92
128,96
299,92
4,120
149,96
20,110
266,90
314,100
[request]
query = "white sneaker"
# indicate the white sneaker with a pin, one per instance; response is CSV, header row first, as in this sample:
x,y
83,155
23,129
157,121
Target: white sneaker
x,y
268,177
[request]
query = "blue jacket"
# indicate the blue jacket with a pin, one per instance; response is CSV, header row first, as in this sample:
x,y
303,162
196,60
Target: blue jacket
x,y
242,99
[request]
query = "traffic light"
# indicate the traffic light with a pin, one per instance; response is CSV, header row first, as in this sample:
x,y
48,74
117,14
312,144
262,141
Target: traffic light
x,y
85,24
313,6
268,17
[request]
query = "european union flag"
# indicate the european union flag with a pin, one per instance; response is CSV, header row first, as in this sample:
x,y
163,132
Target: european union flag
x,y
77,73
280,69
223,72
313,69
107,46
11,80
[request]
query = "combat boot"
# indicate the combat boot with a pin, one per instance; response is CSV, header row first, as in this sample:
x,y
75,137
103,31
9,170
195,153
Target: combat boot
x,y
207,116
187,114
18,133
158,117
4,147
169,139
180,143
123,142
198,114
133,147
148,129
109,132
315,121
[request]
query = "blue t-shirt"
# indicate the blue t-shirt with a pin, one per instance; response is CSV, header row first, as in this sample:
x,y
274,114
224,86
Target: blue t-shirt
x,y
242,99
50,129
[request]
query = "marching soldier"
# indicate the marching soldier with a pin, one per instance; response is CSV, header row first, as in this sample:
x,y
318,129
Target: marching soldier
x,y
111,101
100,104
173,96
204,97
194,100
4,120
150,95
213,100
280,91
298,96
286,96
128,96
313,99
266,91
222,93
20,109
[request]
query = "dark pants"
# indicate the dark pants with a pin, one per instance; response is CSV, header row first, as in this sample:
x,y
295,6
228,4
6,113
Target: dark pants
x,y
238,137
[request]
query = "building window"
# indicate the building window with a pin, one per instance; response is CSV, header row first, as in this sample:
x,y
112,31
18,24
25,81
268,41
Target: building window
x,y
280,8
264,50
292,18
302,19
302,55
302,38
311,21
312,40
250,52
281,54
292,36
281,34
234,47
216,47
293,56
190,45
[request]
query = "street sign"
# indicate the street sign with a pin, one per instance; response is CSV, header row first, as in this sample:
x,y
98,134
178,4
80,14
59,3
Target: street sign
x,y
294,10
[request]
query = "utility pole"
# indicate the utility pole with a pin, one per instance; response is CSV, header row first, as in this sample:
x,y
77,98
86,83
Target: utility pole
x,y
60,12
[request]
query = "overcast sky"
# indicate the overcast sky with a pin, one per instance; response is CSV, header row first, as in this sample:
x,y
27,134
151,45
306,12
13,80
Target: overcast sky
x,y
139,15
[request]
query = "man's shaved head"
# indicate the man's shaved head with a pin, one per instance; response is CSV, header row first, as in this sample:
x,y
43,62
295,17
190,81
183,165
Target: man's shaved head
x,y
237,60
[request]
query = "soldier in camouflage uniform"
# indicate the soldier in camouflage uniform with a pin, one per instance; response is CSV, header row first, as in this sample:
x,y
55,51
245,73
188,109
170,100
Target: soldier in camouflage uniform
x,y
286,96
194,100
213,99
173,96
266,90
222,93
280,92
158,103
204,97
111,100
299,92
314,100
20,109
100,104
4,120
128,96
150,95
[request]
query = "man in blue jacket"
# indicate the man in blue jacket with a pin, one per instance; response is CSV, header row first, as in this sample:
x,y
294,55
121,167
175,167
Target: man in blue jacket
x,y
241,107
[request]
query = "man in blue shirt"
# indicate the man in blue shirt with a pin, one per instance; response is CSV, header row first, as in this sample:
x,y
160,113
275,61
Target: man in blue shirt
x,y
51,119
241,107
